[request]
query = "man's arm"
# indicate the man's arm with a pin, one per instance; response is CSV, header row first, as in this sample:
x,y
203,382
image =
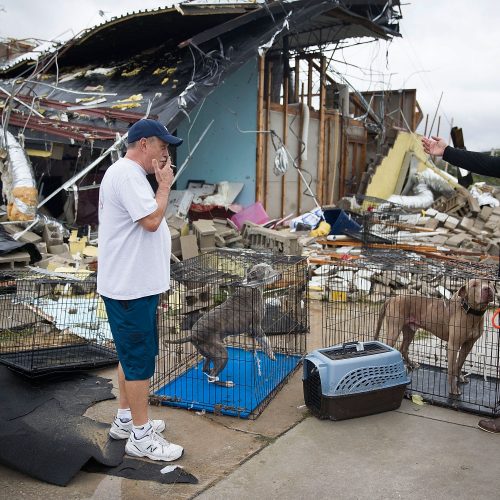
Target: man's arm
x,y
164,177
480,163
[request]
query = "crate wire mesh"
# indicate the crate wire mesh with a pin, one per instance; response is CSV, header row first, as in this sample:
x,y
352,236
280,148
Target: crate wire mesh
x,y
217,279
52,322
423,293
386,224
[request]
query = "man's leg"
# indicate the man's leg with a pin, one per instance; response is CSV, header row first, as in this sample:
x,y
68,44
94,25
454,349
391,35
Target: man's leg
x,y
137,392
122,397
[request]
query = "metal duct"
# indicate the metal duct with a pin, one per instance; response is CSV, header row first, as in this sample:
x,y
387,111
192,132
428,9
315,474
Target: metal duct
x,y
423,197
18,179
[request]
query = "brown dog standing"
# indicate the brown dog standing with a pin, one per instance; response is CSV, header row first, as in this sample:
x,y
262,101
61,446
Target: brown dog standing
x,y
459,321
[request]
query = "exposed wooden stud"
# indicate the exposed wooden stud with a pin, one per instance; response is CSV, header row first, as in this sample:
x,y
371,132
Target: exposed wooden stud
x,y
297,79
336,154
267,138
299,158
320,191
309,82
285,134
259,175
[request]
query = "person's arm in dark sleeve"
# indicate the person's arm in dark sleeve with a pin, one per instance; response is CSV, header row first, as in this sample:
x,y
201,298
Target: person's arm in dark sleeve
x,y
479,163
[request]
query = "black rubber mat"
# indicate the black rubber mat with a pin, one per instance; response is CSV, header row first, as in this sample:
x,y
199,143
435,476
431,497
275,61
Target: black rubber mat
x,y
140,470
478,396
44,434
42,430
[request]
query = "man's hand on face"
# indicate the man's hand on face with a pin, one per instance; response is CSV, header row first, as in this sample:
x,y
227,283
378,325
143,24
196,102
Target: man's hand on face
x,y
164,175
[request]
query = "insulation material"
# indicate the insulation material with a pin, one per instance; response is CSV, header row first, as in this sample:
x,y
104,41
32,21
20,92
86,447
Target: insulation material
x,y
134,101
18,180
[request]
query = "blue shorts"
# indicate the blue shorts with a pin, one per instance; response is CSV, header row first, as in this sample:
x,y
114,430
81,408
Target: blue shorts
x,y
133,326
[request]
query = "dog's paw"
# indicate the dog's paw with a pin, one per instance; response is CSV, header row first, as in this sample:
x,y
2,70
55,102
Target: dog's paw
x,y
462,379
413,365
224,383
272,357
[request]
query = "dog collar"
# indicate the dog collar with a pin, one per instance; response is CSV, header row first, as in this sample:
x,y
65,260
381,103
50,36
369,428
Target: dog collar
x,y
468,309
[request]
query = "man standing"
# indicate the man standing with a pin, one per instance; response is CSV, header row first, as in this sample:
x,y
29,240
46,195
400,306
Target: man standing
x,y
133,269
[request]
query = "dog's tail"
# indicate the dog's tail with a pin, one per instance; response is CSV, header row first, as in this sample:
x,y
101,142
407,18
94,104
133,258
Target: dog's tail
x,y
184,340
381,317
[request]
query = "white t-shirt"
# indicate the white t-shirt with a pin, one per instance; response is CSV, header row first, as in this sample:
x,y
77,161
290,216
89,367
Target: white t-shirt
x,y
133,262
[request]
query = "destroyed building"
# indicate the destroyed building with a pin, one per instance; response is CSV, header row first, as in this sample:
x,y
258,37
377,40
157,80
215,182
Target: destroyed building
x,y
237,81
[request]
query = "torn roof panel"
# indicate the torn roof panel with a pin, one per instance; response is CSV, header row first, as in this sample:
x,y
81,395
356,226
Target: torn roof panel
x,y
180,60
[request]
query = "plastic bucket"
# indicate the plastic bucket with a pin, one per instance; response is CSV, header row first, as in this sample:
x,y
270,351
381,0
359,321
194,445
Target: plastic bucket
x,y
340,221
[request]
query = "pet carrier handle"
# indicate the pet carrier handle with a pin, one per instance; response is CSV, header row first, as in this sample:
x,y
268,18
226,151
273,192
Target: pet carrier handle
x,y
349,344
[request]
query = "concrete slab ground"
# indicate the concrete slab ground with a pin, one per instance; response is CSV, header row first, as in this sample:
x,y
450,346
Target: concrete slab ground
x,y
415,452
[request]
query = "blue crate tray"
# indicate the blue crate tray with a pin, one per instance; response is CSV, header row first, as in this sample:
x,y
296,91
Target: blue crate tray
x,y
255,377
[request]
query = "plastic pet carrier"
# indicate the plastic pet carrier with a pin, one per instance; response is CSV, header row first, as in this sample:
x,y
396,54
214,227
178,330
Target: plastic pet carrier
x,y
354,379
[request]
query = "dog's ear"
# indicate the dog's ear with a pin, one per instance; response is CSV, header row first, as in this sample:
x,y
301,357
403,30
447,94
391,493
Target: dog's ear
x,y
462,291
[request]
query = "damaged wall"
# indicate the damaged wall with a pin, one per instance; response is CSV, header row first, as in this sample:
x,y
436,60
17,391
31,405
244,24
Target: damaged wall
x,y
294,199
226,153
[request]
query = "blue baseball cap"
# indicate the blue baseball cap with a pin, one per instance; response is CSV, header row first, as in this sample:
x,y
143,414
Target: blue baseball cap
x,y
151,128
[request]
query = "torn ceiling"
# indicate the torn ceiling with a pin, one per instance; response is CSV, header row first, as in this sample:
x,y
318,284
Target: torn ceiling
x,y
165,61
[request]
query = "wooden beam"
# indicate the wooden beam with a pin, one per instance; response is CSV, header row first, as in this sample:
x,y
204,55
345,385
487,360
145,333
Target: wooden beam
x,y
299,160
259,174
285,135
268,124
320,191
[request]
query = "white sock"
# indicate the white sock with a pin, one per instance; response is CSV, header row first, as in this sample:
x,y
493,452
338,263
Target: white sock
x,y
140,432
124,414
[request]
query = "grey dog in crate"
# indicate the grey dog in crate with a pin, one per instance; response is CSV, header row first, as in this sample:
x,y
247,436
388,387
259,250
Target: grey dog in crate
x,y
459,321
241,313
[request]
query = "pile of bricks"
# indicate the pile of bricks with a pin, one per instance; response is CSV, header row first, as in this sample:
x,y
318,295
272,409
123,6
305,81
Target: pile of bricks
x,y
480,234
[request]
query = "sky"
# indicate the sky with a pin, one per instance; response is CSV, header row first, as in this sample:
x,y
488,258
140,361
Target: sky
x,y
448,48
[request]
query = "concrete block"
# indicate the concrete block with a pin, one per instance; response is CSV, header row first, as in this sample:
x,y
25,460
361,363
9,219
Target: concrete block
x,y
11,259
457,240
189,246
432,223
479,224
485,212
441,217
52,235
439,240
466,223
451,222
430,212
176,242
205,232
61,249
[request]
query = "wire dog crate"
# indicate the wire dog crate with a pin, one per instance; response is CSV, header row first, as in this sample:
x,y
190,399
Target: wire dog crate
x,y
52,323
247,334
433,311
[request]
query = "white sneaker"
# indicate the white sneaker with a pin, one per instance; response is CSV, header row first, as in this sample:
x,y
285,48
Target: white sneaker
x,y
153,446
122,430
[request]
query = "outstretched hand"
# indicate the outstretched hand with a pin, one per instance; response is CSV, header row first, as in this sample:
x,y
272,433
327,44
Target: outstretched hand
x,y
434,146
164,175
